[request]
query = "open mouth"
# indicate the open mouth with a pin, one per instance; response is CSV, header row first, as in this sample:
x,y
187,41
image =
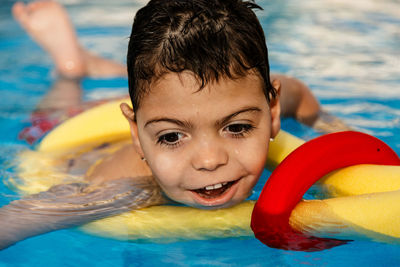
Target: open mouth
x,y
214,191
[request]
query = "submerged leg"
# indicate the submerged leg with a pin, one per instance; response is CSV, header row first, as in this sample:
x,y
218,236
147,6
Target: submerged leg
x,y
47,22
64,93
70,205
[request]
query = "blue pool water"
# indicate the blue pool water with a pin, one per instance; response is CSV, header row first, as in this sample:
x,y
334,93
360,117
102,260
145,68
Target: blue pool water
x,y
346,51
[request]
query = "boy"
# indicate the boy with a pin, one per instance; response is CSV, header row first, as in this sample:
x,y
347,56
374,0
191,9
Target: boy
x,y
204,110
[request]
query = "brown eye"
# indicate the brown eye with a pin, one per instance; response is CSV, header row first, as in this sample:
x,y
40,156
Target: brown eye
x,y
170,139
239,129
236,128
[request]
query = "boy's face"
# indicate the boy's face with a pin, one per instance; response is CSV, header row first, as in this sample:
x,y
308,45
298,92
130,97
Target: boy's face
x,y
206,148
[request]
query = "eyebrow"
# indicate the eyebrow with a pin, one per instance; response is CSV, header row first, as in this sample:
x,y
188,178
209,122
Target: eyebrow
x,y
175,121
229,117
187,124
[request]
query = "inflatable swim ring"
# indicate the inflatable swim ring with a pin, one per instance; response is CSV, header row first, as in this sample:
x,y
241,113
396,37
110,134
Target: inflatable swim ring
x,y
350,215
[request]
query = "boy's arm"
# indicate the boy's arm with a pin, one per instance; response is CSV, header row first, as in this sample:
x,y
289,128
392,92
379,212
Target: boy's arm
x,y
70,205
297,101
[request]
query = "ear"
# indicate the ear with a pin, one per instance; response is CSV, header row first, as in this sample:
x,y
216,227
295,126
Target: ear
x,y
275,108
130,117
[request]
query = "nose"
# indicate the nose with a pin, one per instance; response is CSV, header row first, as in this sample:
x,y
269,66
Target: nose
x,y
209,156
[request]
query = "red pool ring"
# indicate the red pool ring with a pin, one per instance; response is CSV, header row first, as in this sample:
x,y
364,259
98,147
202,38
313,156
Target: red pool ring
x,y
298,172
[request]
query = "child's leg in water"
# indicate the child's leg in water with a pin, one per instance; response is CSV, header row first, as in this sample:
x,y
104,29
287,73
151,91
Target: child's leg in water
x,y
49,25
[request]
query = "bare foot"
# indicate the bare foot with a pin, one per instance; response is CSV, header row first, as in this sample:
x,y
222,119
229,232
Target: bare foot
x,y
48,24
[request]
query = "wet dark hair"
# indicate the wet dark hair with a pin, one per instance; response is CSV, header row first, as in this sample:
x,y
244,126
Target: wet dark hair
x,y
210,38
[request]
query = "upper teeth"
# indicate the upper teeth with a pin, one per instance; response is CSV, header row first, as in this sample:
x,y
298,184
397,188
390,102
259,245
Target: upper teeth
x,y
216,186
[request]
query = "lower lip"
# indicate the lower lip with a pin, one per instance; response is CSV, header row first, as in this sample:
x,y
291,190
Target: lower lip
x,y
219,200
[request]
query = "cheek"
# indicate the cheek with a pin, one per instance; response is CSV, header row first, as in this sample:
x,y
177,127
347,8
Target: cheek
x,y
166,169
258,159
253,155
256,149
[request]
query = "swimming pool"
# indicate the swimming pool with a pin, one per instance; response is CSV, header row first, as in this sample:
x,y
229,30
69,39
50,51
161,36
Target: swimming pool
x,y
347,52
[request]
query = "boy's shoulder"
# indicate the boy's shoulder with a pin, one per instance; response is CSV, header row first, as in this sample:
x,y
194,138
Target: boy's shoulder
x,y
121,163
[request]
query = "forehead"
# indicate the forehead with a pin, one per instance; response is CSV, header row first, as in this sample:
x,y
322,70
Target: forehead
x,y
177,93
